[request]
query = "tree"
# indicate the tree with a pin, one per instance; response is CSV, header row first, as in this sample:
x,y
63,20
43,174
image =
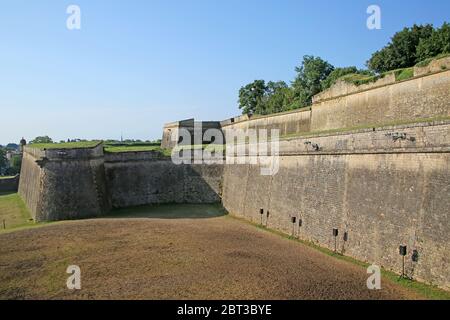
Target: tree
x,y
41,139
251,97
12,146
437,43
259,98
3,160
276,94
16,163
310,75
401,51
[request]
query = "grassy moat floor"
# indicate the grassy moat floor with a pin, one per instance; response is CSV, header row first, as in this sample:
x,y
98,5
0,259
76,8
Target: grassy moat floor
x,y
175,252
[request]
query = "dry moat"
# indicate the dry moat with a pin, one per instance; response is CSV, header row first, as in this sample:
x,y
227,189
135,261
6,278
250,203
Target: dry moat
x,y
157,254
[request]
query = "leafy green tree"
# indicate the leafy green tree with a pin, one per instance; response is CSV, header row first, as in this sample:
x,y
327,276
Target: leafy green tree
x,y
12,146
310,75
401,51
437,43
251,97
289,100
41,139
16,163
3,160
276,97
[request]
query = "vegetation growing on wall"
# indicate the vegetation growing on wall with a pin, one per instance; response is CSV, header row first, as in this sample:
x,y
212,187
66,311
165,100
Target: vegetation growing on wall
x,y
426,62
137,148
47,143
404,74
417,45
66,145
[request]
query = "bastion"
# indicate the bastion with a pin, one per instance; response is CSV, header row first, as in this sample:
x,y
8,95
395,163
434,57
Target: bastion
x,y
372,161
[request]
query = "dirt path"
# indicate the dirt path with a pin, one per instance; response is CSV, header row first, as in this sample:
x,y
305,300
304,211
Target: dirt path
x,y
216,258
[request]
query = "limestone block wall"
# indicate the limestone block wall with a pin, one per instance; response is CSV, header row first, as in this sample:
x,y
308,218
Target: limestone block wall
x,y
140,178
287,122
342,88
173,129
434,66
61,184
427,137
380,198
30,184
418,98
346,105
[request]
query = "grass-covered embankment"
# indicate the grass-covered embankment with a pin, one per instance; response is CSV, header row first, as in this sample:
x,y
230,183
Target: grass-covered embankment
x,y
13,212
66,145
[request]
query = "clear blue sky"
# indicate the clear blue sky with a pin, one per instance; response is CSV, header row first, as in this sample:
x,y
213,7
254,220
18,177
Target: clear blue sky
x,y
135,65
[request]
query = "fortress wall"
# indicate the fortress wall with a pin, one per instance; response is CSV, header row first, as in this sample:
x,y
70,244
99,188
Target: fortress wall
x,y
140,178
174,129
64,183
380,198
342,88
73,190
417,98
434,66
346,105
287,122
427,137
30,187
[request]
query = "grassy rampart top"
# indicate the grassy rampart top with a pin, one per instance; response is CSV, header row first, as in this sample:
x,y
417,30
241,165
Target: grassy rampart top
x,y
136,148
65,145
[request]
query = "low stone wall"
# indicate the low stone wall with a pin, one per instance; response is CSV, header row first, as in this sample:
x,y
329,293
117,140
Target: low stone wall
x,y
139,178
379,192
9,184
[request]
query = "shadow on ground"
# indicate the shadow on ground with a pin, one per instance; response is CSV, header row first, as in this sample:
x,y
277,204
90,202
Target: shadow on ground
x,y
170,211
7,193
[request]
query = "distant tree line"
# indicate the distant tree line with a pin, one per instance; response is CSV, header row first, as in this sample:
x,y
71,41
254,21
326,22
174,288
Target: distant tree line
x,y
47,139
406,48
10,167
